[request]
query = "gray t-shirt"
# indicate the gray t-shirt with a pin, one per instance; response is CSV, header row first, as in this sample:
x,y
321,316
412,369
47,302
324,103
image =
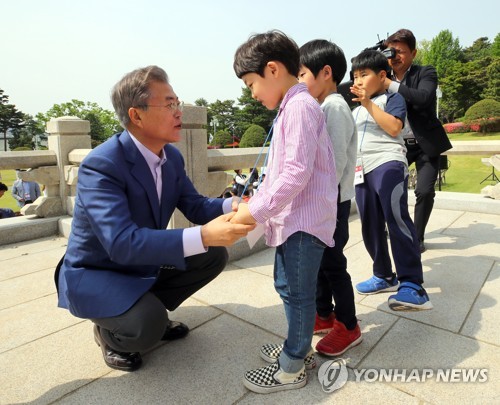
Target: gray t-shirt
x,y
342,130
375,146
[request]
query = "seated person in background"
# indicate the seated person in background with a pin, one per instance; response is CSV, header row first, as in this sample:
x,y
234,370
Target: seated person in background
x,y
5,212
253,177
240,182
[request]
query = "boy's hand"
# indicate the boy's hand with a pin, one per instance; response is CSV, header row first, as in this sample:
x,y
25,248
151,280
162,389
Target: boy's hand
x,y
361,95
222,232
235,203
243,216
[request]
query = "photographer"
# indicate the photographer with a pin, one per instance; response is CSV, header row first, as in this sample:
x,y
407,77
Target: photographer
x,y
424,136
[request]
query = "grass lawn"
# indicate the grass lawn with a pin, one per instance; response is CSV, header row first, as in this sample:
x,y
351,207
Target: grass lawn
x,y
475,136
7,201
466,172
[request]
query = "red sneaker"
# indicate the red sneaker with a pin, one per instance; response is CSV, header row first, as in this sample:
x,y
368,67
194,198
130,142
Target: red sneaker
x,y
322,325
339,340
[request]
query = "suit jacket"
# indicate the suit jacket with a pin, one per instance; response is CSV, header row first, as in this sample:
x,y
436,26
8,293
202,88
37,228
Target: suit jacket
x,y
18,191
118,241
419,92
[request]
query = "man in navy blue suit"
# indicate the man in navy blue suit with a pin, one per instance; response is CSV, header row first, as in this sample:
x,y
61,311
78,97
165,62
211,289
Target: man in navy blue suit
x,y
123,269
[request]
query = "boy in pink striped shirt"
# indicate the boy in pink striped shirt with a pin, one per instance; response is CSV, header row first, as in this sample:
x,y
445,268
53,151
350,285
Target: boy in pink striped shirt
x,y
297,203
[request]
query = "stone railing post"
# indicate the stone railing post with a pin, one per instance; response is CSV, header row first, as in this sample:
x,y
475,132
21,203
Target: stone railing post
x,y
66,134
193,147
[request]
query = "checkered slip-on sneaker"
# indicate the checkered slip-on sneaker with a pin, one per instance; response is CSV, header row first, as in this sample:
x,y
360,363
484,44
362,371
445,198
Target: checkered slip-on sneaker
x,y
271,352
272,378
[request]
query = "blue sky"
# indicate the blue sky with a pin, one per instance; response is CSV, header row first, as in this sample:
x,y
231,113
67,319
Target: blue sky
x,y
52,51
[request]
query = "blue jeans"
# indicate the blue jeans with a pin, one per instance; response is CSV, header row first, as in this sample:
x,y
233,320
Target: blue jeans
x,y
296,268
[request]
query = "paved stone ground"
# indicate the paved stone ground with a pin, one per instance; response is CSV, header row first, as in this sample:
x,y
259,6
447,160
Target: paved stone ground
x,y
47,356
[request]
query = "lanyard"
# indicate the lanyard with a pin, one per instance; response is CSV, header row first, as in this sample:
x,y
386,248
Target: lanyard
x,y
260,154
366,121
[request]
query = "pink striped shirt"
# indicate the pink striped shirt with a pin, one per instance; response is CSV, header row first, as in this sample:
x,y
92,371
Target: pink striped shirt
x,y
300,189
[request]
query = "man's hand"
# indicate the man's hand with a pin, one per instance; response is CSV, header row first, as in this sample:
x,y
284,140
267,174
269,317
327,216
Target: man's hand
x,y
243,215
221,232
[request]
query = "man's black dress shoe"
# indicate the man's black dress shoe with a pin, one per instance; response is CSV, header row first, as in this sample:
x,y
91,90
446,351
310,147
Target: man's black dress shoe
x,y
117,360
175,330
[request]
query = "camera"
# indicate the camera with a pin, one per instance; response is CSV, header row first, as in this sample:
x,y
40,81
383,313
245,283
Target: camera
x,y
344,88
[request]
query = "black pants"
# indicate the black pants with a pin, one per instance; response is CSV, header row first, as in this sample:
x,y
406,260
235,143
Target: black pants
x,y
427,173
333,278
144,324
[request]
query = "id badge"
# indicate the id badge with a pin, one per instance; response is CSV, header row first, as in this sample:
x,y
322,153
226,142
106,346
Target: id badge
x,y
358,172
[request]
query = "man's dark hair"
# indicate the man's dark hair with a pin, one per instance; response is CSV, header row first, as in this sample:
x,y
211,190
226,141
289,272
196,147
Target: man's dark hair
x,y
253,55
316,54
373,60
3,187
403,35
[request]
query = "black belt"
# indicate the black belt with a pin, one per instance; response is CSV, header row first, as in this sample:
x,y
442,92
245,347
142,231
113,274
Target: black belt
x,y
411,141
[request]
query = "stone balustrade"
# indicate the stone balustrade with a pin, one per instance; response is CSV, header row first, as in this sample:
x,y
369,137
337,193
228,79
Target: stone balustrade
x,y
69,143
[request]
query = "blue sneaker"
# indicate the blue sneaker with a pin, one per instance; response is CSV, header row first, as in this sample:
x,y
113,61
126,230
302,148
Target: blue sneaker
x,y
410,297
376,285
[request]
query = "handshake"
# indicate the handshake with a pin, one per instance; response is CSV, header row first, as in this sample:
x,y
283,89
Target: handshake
x,y
228,228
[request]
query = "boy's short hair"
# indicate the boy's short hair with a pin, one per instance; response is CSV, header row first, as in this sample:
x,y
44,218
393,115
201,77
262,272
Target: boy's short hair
x,y
316,54
368,59
3,187
253,55
403,35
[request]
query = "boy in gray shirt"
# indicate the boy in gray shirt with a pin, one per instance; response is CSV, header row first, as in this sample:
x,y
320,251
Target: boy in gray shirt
x,y
381,180
323,66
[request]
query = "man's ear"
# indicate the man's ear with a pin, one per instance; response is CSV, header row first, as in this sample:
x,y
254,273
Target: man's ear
x,y
135,116
413,54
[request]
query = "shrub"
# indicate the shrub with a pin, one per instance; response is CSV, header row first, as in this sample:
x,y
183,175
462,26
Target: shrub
x,y
222,138
456,128
483,109
254,136
490,125
484,126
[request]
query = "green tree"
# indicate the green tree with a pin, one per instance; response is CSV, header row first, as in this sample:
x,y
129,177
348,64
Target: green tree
x,y
454,88
469,79
255,135
10,117
422,51
28,136
224,113
222,138
444,52
492,88
253,112
201,102
495,46
481,48
103,123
